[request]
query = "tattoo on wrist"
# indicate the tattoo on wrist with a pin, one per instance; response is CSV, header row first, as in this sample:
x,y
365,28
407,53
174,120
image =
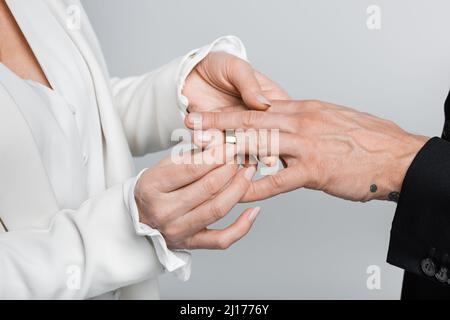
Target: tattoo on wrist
x,y
394,196
373,188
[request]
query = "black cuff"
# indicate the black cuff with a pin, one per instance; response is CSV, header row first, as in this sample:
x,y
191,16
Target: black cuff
x,y
420,235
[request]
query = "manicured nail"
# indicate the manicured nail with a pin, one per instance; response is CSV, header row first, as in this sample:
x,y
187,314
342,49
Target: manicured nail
x,y
264,100
195,119
254,214
269,161
250,173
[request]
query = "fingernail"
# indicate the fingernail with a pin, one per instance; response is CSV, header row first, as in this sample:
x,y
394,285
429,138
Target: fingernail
x,y
195,119
254,214
250,173
264,100
269,161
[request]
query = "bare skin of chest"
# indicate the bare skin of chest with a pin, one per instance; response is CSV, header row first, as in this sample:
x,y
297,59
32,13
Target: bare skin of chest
x,y
15,52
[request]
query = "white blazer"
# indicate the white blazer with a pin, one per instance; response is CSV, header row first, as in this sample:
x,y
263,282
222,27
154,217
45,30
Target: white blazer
x,y
137,116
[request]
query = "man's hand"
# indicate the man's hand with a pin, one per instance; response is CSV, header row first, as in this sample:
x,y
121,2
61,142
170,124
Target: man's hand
x,y
338,150
223,80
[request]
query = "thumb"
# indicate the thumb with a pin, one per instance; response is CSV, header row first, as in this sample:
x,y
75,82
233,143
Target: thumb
x,y
243,77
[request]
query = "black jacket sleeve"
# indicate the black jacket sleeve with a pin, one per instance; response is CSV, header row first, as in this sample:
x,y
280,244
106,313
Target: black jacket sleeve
x,y
420,234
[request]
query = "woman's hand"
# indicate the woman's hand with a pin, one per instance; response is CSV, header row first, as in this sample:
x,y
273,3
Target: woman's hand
x,y
223,80
182,199
338,150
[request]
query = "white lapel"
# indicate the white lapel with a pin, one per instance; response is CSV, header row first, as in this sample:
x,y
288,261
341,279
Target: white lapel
x,y
118,160
119,164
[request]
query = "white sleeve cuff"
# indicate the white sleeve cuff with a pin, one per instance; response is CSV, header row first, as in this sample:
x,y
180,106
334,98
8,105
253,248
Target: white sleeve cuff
x,y
177,262
230,44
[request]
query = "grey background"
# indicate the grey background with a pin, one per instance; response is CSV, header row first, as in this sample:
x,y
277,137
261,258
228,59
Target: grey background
x,y
305,244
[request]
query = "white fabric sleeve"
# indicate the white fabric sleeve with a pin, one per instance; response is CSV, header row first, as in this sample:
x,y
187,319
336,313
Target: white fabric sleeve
x,y
177,262
82,254
162,89
152,106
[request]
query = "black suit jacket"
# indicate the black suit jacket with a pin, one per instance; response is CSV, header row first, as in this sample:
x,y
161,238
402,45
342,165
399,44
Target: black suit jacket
x,y
420,234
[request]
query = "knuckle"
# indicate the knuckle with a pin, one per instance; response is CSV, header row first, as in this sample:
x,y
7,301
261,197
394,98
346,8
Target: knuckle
x,y
156,223
210,185
188,244
242,185
154,206
160,214
239,62
155,212
171,232
292,124
217,211
145,190
223,243
251,192
306,120
251,118
314,104
160,217
277,181
213,120
390,123
192,170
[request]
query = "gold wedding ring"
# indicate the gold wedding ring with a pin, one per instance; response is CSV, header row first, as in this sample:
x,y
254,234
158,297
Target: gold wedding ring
x,y
230,136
